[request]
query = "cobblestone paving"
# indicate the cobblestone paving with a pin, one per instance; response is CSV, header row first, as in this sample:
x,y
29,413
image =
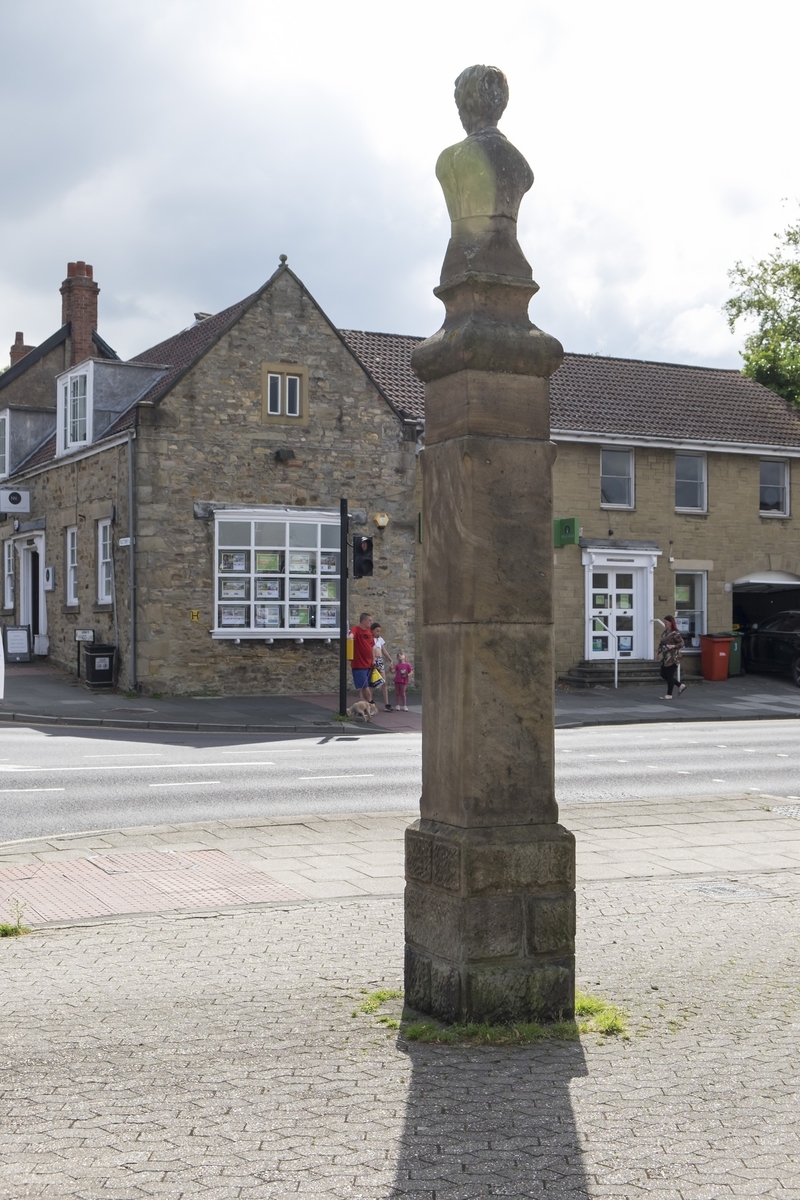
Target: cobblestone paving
x,y
217,1057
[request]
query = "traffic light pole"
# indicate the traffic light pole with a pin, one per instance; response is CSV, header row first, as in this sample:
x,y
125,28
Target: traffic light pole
x,y
344,522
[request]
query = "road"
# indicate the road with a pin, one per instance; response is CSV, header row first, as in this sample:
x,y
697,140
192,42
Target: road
x,y
64,780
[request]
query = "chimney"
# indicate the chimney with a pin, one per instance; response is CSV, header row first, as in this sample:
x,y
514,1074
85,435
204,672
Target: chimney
x,y
79,306
19,349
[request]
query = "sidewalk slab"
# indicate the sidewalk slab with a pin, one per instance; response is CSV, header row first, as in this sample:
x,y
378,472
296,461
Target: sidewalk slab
x,y
38,694
347,855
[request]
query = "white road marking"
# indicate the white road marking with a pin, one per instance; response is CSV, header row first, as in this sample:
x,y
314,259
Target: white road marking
x,y
162,766
719,781
32,789
130,754
186,783
306,778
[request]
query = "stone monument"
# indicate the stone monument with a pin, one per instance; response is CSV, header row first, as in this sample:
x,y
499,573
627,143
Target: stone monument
x,y
490,891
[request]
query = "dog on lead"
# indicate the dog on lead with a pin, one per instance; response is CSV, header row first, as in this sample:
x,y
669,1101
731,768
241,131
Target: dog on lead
x,y
361,711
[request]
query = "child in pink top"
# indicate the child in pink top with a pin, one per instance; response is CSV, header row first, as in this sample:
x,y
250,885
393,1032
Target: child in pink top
x,y
403,671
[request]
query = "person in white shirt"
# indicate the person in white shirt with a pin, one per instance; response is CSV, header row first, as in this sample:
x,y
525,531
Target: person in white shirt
x,y
382,659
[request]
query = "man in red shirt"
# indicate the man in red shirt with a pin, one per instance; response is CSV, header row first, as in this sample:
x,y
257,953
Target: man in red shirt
x,y
363,641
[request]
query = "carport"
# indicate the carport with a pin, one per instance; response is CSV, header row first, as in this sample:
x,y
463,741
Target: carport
x,y
761,595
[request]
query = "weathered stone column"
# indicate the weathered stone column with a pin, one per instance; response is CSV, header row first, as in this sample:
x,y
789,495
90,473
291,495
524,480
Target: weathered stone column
x,y
490,873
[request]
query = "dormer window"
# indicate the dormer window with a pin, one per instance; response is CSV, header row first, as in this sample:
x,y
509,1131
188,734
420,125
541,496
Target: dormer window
x,y
75,410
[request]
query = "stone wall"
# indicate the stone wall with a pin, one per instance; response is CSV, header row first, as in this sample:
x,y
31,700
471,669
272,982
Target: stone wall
x,y
36,387
81,492
206,441
730,540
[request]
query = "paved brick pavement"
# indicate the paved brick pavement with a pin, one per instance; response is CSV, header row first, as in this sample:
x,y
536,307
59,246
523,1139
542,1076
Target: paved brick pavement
x,y
216,1055
215,864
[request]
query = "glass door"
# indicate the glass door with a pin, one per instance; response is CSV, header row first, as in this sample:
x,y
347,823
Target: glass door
x,y
612,610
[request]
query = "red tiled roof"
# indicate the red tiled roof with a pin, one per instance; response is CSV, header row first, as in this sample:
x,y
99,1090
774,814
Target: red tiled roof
x,y
616,396
387,358
180,352
633,398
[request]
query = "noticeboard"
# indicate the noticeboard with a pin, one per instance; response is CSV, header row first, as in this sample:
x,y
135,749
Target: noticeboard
x,y
17,643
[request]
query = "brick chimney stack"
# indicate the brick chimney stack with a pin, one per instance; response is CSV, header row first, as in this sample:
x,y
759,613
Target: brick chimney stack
x,y
19,349
79,295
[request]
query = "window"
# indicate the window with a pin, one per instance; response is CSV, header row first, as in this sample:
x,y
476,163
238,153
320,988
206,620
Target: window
x,y
616,478
8,574
74,412
72,565
690,605
774,489
277,573
104,562
690,482
3,445
284,394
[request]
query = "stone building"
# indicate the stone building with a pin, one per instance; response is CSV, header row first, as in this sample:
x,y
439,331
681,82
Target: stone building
x,y
676,485
203,478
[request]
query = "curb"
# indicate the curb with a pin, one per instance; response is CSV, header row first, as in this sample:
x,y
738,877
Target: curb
x,y
172,726
673,720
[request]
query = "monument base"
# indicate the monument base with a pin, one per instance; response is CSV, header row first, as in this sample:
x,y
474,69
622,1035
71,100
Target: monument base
x,y
490,922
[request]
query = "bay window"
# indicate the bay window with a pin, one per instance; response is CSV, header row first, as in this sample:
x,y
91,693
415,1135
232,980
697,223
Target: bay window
x,y
277,573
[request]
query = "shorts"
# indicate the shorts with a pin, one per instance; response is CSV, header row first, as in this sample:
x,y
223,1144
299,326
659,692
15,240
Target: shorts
x,y
361,677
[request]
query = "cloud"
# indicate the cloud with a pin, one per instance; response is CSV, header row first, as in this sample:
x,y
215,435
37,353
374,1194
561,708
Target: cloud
x,y
180,147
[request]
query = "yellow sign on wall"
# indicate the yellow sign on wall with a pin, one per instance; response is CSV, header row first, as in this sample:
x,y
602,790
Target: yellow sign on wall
x,y
194,614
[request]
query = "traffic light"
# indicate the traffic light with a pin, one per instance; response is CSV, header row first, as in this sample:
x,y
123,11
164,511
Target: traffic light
x,y
362,557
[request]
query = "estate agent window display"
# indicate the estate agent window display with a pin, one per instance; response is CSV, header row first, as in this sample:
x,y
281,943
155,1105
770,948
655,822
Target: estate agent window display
x,y
277,574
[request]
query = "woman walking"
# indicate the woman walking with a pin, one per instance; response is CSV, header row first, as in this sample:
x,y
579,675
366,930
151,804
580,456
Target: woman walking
x,y
670,648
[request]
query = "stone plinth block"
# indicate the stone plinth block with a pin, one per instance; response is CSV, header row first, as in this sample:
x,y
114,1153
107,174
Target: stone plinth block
x,y
470,402
487,543
490,922
487,749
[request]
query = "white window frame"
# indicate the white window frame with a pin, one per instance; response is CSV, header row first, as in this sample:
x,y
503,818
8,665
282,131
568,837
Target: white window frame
x,y
71,423
284,394
631,476
71,559
703,481
8,574
104,563
771,512
251,588
701,590
5,432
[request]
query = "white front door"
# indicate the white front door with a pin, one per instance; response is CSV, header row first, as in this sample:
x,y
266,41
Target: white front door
x,y
616,598
619,602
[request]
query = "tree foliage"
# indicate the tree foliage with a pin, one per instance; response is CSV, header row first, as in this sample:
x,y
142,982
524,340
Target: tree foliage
x,y
769,293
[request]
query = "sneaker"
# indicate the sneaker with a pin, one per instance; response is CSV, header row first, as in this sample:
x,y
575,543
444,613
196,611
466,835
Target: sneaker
x,y
405,708
387,708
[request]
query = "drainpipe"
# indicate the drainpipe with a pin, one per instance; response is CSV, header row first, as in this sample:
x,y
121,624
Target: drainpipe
x,y
132,684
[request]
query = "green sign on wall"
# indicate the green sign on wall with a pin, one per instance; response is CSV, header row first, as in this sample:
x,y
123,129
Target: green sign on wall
x,y
566,531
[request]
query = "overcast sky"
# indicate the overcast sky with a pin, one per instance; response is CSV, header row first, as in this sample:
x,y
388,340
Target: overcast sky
x,y
180,146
